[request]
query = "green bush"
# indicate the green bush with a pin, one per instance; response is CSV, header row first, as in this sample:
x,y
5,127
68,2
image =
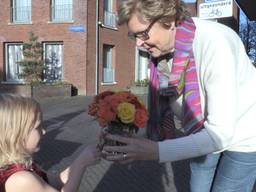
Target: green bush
x,y
142,83
54,83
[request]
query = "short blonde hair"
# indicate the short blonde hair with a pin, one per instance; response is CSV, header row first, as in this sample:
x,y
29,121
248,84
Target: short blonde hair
x,y
18,116
165,11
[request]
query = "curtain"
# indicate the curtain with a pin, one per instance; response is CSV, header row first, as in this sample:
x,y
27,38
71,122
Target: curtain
x,y
14,55
143,59
108,74
53,62
108,5
22,10
62,10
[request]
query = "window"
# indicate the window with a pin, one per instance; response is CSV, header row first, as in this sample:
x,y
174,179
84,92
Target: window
x,y
141,68
21,11
108,68
109,15
61,10
14,54
53,55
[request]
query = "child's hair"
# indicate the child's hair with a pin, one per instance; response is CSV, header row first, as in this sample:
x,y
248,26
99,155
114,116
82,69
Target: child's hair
x,y
18,116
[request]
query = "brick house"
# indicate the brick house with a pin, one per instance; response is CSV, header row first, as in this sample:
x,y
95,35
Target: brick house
x,y
115,68
67,30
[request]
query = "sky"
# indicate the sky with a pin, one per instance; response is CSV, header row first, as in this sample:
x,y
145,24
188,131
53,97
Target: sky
x,y
242,17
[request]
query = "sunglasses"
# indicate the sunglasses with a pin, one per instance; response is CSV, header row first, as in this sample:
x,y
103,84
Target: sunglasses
x,y
142,35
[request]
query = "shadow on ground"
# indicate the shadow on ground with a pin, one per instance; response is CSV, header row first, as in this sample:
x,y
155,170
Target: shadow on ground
x,y
149,176
181,173
135,177
53,150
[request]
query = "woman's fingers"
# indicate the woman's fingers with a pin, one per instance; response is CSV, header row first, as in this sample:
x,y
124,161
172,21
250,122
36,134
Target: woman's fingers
x,y
115,157
122,158
136,148
120,149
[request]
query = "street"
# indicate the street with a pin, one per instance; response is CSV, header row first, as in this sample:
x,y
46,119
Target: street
x,y
68,127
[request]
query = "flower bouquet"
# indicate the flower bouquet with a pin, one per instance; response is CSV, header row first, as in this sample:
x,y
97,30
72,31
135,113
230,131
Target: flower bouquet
x,y
118,113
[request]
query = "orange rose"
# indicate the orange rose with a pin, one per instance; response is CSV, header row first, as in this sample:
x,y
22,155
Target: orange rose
x,y
141,118
105,114
113,101
93,109
126,96
138,104
102,95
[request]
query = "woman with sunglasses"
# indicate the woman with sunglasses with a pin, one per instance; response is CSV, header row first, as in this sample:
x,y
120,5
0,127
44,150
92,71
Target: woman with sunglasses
x,y
201,74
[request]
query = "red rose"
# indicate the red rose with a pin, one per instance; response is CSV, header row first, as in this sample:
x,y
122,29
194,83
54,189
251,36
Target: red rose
x,y
141,118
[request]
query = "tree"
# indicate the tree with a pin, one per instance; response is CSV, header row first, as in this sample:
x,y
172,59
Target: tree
x,y
33,64
247,34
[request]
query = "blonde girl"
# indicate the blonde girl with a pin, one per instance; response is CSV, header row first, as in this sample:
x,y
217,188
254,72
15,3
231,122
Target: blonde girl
x,y
20,134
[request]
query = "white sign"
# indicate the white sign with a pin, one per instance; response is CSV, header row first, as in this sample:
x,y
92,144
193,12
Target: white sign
x,y
216,10
211,1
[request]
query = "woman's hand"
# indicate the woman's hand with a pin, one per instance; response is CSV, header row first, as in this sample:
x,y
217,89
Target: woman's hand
x,y
136,148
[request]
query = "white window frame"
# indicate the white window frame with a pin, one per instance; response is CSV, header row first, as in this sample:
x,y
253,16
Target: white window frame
x,y
61,53
109,14
61,11
16,67
141,65
108,65
21,13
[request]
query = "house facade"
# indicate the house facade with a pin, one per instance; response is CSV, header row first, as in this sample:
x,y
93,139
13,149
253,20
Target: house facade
x,y
54,22
110,54
67,30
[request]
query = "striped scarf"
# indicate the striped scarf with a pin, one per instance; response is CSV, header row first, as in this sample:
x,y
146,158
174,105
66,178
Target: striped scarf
x,y
182,80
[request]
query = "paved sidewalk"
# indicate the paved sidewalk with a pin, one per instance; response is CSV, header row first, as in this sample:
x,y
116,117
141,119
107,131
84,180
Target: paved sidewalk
x,y
68,127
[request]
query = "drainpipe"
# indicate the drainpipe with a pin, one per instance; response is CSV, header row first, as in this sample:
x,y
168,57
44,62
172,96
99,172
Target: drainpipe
x,y
97,49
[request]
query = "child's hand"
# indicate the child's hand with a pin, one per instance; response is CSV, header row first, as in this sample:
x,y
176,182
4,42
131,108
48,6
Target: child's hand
x,y
90,155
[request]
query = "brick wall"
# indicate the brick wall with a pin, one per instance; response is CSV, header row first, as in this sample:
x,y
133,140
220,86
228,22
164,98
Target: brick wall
x,y
124,52
74,42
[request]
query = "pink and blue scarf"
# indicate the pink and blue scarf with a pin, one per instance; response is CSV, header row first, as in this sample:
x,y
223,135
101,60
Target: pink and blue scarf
x,y
182,80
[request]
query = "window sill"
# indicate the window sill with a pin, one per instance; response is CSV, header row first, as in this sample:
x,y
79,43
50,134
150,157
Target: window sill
x,y
20,23
60,22
13,83
108,27
109,84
